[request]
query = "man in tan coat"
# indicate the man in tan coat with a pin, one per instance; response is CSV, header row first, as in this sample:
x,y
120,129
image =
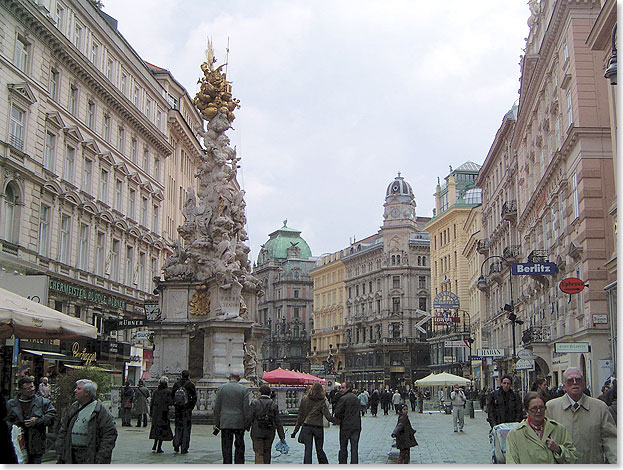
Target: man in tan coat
x,y
587,419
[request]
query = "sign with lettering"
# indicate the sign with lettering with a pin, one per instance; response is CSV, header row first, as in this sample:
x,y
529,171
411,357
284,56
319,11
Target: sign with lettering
x,y
600,319
83,355
519,269
143,335
454,344
572,347
446,300
572,285
445,320
491,352
86,294
524,364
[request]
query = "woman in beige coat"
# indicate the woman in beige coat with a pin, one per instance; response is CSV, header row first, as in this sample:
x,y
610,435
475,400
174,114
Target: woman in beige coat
x,y
538,440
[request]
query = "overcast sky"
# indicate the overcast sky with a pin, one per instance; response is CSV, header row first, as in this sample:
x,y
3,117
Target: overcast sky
x,y
338,96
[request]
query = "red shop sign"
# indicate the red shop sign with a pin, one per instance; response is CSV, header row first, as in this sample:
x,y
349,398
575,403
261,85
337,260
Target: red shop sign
x,y
572,285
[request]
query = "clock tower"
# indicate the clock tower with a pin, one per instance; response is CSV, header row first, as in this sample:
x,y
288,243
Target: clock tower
x,y
399,204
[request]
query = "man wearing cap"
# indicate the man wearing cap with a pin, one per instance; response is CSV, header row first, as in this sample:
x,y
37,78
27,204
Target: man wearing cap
x,y
231,416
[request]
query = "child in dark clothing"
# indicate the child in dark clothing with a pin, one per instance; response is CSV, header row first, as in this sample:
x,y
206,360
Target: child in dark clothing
x,y
405,435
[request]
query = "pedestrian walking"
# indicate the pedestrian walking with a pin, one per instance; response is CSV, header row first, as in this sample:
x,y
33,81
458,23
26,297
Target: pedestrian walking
x,y
184,396
404,434
420,399
412,399
363,401
347,412
161,401
141,394
265,421
505,405
309,420
397,401
127,398
231,416
537,439
587,419
458,399
44,388
386,399
604,391
87,434
32,413
540,386
374,402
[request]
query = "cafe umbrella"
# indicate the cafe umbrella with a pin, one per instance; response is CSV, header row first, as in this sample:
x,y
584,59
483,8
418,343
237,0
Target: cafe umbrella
x,y
24,318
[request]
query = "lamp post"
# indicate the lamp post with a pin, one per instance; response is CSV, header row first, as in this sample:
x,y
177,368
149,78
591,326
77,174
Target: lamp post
x,y
611,71
509,308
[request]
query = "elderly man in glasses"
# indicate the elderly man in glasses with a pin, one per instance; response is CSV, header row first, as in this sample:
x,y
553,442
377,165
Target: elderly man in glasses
x,y
587,419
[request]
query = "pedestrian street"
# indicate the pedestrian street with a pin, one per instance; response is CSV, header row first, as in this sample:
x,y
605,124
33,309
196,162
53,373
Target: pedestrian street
x,y
438,444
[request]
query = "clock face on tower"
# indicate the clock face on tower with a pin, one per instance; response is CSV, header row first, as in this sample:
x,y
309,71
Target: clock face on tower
x,y
395,212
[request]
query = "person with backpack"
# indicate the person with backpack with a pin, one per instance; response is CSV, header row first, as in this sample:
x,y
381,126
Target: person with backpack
x,y
184,399
264,415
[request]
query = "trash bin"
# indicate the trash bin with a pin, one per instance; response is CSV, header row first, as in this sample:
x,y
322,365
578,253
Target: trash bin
x,y
470,408
448,408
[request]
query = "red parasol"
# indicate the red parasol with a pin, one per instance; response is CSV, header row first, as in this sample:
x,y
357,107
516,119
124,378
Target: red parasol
x,y
290,377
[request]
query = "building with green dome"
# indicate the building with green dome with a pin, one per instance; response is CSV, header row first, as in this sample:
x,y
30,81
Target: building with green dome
x,y
285,305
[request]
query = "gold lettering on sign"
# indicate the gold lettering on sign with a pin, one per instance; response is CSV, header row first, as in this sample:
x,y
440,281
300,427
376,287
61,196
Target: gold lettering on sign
x,y
83,355
200,302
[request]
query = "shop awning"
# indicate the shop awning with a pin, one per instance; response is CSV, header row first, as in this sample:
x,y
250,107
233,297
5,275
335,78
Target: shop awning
x,y
52,356
24,318
290,377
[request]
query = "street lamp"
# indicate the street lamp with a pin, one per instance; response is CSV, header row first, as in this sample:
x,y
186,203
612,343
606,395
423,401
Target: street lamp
x,y
611,71
508,308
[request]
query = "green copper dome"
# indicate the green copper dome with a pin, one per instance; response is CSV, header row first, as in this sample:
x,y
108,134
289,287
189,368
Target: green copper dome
x,y
284,243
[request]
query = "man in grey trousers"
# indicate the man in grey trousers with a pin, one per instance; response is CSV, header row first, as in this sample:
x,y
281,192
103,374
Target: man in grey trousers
x,y
231,416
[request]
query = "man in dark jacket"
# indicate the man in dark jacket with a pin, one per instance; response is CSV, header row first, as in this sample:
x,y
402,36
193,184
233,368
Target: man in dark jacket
x,y
183,412
347,411
231,416
505,405
87,434
265,420
127,398
386,399
33,413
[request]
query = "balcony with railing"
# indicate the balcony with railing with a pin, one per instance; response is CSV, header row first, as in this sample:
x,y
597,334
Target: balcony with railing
x,y
536,334
496,270
509,210
483,246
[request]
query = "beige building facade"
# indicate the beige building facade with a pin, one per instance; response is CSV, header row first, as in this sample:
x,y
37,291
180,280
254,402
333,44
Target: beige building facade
x,y
329,315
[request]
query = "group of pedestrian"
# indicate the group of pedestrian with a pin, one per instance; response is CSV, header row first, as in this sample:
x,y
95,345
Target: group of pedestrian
x,y
572,428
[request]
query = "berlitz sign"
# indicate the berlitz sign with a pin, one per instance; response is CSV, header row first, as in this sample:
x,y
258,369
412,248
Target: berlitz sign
x,y
533,268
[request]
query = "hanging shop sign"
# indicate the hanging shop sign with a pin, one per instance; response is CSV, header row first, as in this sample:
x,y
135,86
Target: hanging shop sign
x,y
572,285
446,300
572,347
491,352
86,294
445,320
534,268
524,364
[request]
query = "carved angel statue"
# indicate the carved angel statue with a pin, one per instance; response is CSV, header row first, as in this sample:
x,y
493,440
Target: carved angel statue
x,y
250,362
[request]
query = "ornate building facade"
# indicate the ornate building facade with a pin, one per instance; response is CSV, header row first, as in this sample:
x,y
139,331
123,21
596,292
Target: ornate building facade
x,y
387,286
451,326
85,151
564,191
285,307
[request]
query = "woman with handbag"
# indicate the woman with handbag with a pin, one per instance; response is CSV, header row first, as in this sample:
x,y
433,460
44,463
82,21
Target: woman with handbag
x,y
404,434
311,411
161,400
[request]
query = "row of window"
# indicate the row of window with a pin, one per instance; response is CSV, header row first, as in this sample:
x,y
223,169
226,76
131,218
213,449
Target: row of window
x,y
107,257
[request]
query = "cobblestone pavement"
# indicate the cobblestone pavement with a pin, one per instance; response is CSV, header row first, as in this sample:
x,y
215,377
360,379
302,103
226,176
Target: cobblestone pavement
x,y
438,444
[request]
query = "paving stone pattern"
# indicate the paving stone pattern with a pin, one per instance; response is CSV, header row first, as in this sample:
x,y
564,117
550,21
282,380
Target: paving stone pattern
x,y
438,444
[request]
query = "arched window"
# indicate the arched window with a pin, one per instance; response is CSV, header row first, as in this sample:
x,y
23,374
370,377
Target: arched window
x,y
10,220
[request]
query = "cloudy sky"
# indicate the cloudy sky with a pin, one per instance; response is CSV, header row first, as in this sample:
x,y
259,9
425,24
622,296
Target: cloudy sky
x,y
339,96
